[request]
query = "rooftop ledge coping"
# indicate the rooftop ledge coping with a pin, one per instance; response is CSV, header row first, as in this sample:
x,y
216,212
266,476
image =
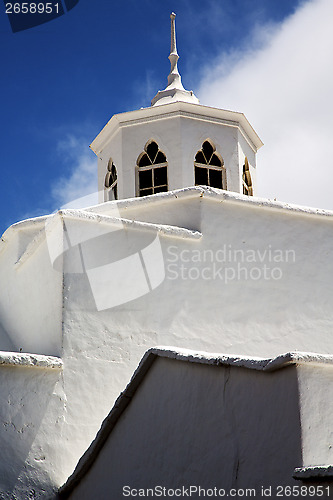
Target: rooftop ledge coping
x,y
177,108
316,472
118,222
121,222
187,355
254,363
217,195
26,360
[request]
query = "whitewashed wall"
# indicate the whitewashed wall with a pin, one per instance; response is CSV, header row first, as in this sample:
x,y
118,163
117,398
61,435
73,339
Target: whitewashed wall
x,y
31,417
31,296
101,348
316,395
251,317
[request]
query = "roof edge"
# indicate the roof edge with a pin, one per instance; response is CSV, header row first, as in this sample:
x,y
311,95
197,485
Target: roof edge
x,y
163,110
219,195
216,194
314,473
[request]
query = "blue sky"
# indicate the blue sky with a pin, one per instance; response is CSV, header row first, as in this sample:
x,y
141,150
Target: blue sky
x,y
62,81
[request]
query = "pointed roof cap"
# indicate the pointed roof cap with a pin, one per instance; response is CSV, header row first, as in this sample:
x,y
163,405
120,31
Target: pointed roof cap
x,y
175,90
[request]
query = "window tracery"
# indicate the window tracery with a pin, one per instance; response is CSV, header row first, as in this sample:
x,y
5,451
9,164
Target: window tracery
x,y
152,170
209,167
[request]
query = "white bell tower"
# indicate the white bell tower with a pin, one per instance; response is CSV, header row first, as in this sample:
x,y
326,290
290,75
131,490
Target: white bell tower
x,y
175,143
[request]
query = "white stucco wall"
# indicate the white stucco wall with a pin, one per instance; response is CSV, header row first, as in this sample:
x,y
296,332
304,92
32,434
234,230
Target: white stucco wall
x,y
264,316
316,396
31,416
101,348
31,300
252,317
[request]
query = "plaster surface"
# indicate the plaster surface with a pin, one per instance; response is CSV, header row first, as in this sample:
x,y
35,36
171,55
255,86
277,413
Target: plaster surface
x,y
31,411
101,343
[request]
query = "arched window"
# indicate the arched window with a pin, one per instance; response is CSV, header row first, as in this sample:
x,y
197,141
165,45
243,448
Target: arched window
x,y
111,181
208,167
152,170
246,179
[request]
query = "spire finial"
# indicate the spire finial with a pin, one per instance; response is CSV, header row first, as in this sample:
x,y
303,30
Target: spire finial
x,y
173,33
175,90
174,78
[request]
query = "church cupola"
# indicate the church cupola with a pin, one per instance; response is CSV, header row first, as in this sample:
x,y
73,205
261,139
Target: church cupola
x,y
175,143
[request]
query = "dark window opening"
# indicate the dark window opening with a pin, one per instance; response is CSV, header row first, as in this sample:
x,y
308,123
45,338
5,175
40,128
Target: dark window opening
x,y
145,179
111,181
215,161
152,150
201,176
207,150
199,158
160,176
160,157
209,167
160,189
144,161
146,192
215,178
246,179
152,170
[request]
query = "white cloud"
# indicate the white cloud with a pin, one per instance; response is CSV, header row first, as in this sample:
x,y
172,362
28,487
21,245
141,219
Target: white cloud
x,y
283,80
79,189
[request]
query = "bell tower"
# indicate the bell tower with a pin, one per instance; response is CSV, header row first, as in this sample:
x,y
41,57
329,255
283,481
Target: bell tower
x,y
175,143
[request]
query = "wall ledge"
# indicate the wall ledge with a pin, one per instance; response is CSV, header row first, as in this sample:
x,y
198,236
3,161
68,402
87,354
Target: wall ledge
x,y
251,362
27,360
314,473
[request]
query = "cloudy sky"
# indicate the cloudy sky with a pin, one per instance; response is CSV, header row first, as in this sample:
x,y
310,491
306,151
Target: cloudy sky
x,y
62,81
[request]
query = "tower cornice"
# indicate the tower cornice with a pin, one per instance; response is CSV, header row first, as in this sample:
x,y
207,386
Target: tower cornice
x,y
181,109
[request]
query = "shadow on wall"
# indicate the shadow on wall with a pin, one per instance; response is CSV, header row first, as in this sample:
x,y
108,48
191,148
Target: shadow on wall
x,y
25,394
6,343
205,425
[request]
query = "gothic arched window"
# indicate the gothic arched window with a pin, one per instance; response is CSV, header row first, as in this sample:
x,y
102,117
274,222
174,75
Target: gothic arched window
x,y
111,181
209,167
246,179
152,170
